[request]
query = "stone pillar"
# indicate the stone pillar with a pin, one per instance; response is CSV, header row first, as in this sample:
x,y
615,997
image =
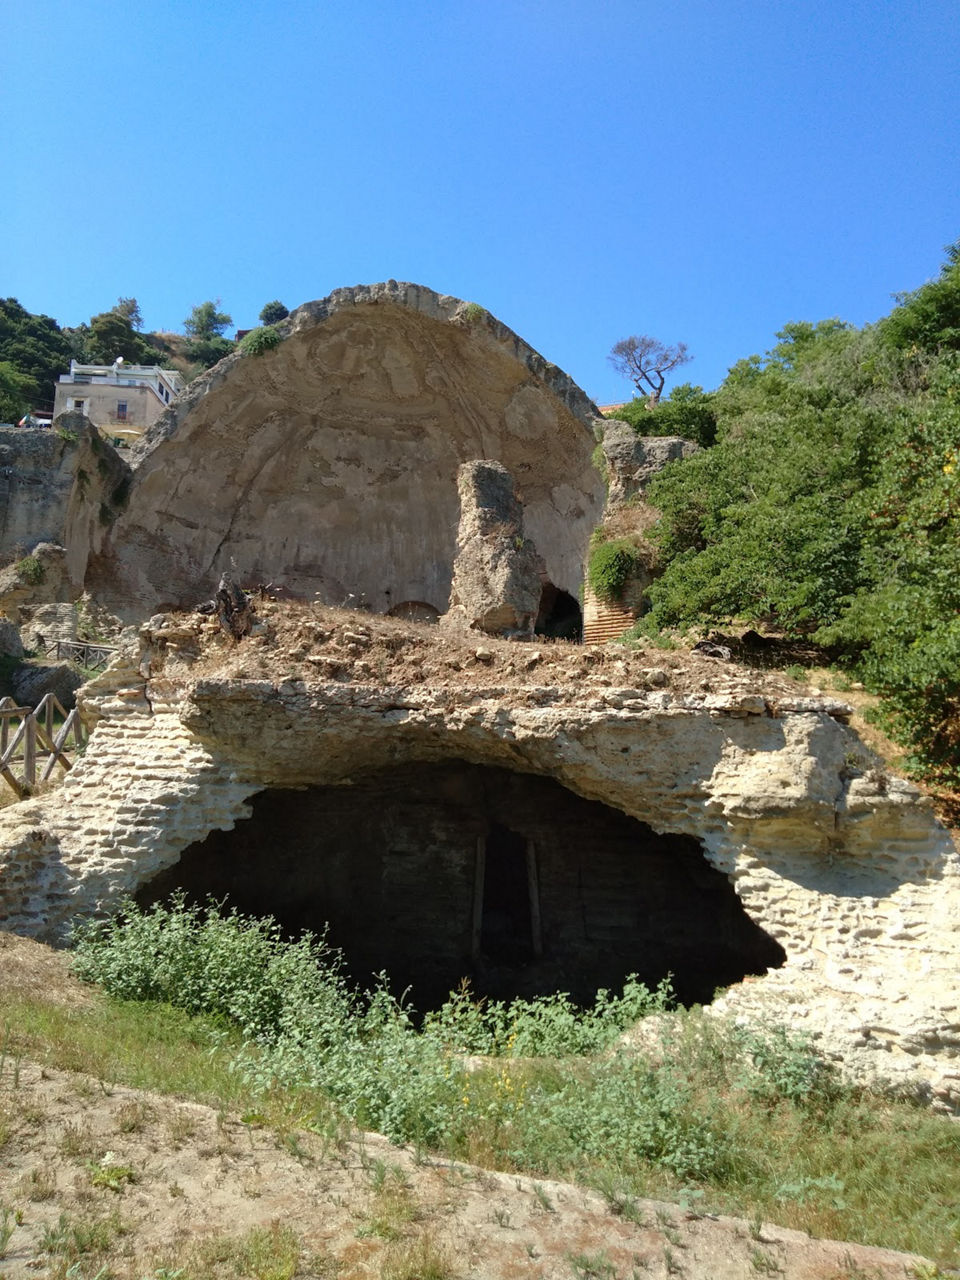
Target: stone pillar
x,y
498,574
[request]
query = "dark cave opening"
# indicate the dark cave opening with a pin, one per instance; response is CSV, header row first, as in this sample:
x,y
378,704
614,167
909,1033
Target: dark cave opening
x,y
439,872
506,925
559,615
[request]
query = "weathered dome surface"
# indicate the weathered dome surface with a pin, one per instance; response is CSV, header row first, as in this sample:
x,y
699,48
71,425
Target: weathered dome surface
x,y
328,465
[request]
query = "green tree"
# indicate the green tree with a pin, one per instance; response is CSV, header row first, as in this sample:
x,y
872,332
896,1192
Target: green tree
x,y
129,308
929,317
273,313
205,322
687,411
17,392
110,335
35,346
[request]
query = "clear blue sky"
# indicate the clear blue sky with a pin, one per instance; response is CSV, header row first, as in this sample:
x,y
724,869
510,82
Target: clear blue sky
x,y
704,171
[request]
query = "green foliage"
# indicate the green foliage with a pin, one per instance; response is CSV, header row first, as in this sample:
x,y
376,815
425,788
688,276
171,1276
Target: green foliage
x,y
17,392
306,1026
929,317
31,570
611,566
34,345
686,412
111,335
258,341
830,505
273,313
473,313
129,309
767,1125
205,322
209,351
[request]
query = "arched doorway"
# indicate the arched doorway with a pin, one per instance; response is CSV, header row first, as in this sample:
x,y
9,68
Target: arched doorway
x,y
559,616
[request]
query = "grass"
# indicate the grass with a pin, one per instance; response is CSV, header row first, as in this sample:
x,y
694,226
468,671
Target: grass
x,y
746,1123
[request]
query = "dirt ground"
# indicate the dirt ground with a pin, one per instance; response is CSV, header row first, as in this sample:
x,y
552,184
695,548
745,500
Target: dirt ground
x,y
159,1183
318,643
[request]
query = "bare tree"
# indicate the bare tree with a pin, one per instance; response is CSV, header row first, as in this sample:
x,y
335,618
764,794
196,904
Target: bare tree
x,y
646,362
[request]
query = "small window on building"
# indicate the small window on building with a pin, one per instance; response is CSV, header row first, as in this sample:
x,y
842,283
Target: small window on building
x,y
121,410
78,406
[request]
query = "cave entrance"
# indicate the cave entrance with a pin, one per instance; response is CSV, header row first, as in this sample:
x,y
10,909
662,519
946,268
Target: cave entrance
x,y
559,615
435,872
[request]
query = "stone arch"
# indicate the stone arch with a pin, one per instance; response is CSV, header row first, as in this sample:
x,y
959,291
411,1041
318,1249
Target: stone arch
x,y
414,611
560,615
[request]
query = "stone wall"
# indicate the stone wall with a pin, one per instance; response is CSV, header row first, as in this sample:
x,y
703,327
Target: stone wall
x,y
844,866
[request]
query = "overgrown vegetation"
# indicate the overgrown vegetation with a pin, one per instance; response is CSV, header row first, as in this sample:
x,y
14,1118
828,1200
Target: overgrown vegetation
x,y
750,1120
829,507
30,569
611,565
257,341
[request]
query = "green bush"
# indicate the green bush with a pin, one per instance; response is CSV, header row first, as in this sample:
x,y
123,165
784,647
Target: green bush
x,y
257,341
687,412
31,570
611,566
829,506
306,1026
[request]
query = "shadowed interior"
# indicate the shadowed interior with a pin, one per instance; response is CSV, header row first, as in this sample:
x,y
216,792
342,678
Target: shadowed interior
x,y
435,872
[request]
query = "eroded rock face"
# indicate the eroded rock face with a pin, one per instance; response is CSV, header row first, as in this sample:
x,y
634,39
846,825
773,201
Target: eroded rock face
x,y
58,488
840,864
329,464
498,574
11,645
634,460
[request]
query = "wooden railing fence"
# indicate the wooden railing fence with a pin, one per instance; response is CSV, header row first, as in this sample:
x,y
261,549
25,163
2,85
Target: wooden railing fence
x,y
34,742
82,652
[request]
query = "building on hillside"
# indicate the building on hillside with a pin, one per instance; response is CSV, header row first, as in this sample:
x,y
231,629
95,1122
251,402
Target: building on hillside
x,y
121,400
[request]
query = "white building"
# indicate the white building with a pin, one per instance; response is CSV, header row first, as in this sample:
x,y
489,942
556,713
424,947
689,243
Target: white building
x,y
122,400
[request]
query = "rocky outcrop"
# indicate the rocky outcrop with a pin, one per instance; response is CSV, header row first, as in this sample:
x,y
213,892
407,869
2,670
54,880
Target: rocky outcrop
x,y
39,578
11,644
328,465
34,680
60,487
633,460
46,624
498,574
841,864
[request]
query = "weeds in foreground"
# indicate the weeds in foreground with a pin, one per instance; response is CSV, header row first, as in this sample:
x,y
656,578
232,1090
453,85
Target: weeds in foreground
x,y
745,1120
264,1253
419,1259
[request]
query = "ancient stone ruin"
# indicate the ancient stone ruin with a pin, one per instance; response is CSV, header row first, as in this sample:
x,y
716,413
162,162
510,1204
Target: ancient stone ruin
x,y
533,816
498,574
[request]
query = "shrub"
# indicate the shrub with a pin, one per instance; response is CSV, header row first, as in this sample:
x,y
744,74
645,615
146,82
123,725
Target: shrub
x,y
31,570
612,565
258,341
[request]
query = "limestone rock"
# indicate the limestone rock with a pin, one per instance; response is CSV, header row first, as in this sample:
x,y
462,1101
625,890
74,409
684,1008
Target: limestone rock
x,y
40,578
11,645
34,680
61,486
49,623
328,466
847,870
634,460
498,574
